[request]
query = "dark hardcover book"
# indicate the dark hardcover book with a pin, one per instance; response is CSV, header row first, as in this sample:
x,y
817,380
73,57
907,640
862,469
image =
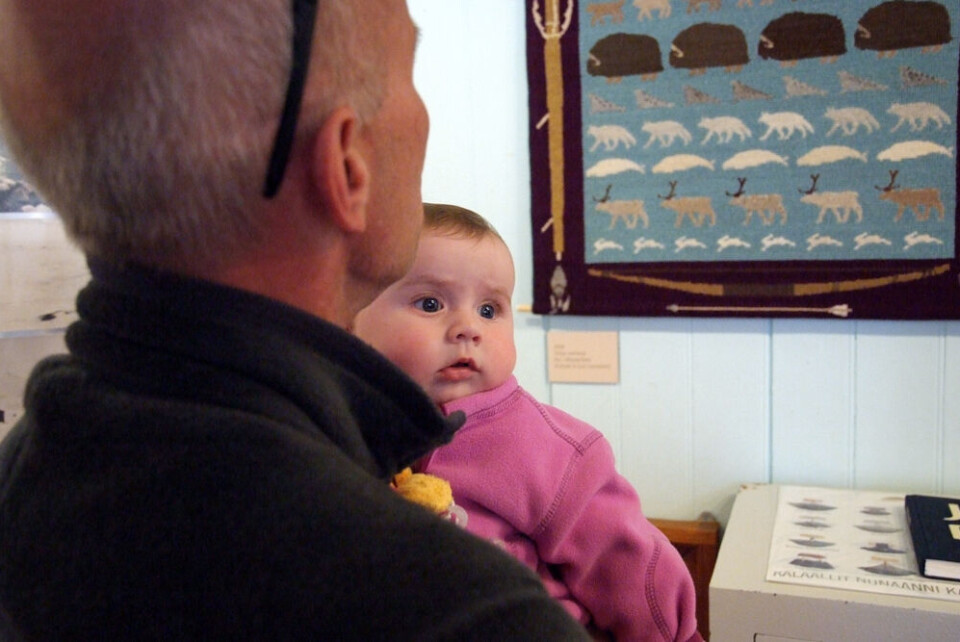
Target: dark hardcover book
x,y
935,529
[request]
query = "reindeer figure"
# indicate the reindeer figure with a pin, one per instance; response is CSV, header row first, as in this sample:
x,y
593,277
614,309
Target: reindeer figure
x,y
673,191
742,181
841,204
766,206
813,185
606,195
921,200
630,212
696,208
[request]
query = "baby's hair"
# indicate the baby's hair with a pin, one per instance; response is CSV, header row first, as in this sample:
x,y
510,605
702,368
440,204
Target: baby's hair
x,y
457,221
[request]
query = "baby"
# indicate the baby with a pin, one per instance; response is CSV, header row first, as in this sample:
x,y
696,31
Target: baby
x,y
532,479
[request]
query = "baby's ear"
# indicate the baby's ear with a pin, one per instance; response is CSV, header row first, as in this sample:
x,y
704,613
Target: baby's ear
x,y
340,170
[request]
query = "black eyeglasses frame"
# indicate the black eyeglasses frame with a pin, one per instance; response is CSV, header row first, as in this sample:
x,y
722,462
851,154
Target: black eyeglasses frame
x,y
304,17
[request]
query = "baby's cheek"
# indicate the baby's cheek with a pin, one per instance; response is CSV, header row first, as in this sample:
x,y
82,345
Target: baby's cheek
x,y
414,361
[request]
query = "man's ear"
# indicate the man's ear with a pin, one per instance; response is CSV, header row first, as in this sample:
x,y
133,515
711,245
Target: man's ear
x,y
340,169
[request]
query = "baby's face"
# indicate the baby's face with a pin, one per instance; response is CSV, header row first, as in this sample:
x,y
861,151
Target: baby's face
x,y
448,323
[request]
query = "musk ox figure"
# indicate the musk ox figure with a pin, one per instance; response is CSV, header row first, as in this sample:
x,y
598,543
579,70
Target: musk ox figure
x,y
899,24
798,35
709,44
624,54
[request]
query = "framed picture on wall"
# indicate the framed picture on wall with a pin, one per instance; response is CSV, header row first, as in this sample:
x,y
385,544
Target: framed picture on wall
x,y
41,269
16,194
773,158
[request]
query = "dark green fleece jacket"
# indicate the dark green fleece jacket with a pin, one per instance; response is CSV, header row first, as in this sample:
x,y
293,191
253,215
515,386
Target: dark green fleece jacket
x,y
207,464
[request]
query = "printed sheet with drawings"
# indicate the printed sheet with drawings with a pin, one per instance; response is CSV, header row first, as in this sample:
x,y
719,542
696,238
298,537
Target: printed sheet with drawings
x,y
848,539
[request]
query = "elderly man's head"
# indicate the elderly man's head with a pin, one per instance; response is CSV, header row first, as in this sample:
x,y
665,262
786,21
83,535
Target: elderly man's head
x,y
148,125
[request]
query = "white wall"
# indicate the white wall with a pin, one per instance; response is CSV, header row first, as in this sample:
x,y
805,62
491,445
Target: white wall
x,y
703,405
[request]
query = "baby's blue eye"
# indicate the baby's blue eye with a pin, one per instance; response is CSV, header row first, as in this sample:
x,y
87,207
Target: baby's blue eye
x,y
488,311
428,304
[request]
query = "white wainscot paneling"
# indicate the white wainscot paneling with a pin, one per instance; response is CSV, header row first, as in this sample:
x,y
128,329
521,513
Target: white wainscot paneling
x,y
657,415
951,412
899,395
812,403
730,409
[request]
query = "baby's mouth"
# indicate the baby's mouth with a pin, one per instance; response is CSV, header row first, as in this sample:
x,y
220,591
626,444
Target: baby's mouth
x,y
466,364
460,369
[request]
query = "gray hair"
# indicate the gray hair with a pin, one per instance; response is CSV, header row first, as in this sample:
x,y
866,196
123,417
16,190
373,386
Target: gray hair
x,y
162,157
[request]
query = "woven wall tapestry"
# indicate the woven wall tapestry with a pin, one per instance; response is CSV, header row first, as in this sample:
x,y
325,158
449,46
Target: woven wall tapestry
x,y
772,158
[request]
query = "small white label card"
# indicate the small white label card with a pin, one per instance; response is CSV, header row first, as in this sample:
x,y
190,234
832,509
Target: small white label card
x,y
583,357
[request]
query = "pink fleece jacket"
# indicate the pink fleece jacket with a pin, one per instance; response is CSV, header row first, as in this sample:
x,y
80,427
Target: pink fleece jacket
x,y
542,484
